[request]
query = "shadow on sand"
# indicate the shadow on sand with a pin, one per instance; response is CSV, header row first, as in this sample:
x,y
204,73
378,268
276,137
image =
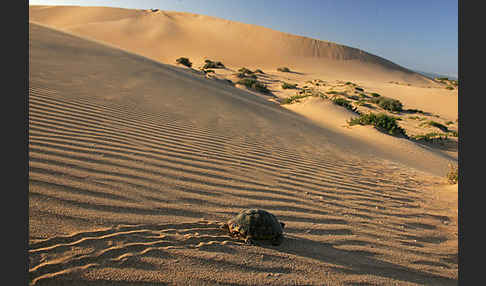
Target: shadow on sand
x,y
358,262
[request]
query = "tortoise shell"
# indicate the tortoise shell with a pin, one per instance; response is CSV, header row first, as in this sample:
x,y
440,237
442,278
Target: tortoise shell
x,y
256,224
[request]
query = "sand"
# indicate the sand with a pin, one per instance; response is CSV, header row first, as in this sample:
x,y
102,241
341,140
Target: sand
x,y
135,161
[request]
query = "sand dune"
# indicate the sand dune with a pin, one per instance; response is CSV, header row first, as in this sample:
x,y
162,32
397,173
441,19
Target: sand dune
x,y
134,163
166,36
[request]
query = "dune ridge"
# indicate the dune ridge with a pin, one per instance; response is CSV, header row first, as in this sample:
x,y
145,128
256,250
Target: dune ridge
x,y
167,35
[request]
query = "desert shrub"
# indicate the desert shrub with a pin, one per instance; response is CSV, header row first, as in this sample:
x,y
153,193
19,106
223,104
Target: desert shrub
x,y
344,103
295,98
453,133
349,83
184,61
362,103
287,85
253,84
213,65
380,121
430,137
259,71
246,75
437,125
449,87
355,97
374,94
387,103
359,89
442,78
453,174
414,111
337,92
449,122
209,71
283,69
245,70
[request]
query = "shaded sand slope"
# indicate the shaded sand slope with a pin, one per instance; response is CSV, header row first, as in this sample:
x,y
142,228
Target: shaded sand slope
x,y
134,163
166,36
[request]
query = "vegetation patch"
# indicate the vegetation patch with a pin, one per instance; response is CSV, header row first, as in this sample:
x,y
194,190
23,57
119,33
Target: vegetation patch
x,y
287,85
283,69
359,89
414,111
303,94
259,71
246,73
430,137
344,103
337,92
381,121
254,84
453,133
295,98
453,174
184,61
387,103
209,64
437,125
374,94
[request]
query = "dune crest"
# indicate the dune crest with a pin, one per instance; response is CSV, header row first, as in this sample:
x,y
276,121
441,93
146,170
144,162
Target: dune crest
x,y
166,35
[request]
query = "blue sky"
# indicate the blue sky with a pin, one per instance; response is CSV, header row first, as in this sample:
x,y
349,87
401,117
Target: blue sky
x,y
419,35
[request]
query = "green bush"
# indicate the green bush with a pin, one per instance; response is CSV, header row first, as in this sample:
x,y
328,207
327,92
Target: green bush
x,y
287,85
387,103
283,69
337,92
453,174
295,98
415,111
184,61
359,89
453,133
259,71
246,75
213,65
380,121
253,84
437,125
374,94
245,71
430,137
345,103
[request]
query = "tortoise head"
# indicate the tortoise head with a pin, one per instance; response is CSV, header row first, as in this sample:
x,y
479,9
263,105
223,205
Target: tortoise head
x,y
282,224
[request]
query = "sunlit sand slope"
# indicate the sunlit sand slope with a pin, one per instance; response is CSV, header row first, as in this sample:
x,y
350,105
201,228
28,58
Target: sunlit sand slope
x,y
133,164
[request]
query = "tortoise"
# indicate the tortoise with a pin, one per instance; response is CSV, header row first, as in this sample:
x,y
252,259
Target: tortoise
x,y
255,224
